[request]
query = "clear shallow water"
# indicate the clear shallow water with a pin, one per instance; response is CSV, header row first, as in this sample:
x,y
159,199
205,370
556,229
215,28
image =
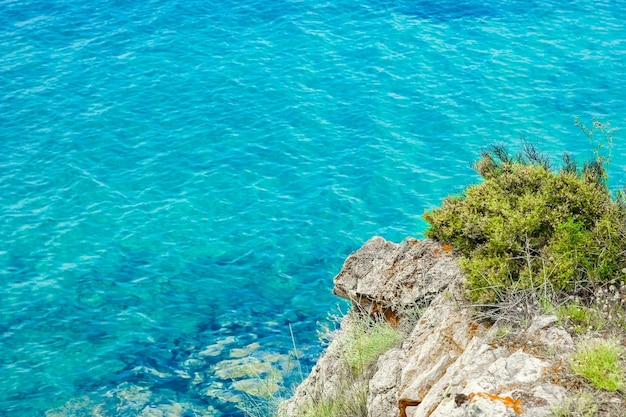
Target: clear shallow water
x,y
180,181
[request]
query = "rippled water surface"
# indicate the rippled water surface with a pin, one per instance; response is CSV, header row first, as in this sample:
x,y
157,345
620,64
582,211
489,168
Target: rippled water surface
x,y
180,180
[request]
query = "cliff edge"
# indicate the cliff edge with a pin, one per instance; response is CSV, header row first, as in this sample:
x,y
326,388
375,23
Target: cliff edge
x,y
444,362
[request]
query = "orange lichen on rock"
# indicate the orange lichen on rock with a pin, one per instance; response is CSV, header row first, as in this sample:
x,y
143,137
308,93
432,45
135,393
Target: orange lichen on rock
x,y
446,249
509,402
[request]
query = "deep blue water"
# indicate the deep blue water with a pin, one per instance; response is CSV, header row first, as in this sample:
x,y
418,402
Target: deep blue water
x,y
180,180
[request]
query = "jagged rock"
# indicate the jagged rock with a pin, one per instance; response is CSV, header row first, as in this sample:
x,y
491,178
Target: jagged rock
x,y
326,377
448,363
451,355
543,331
387,278
438,340
383,387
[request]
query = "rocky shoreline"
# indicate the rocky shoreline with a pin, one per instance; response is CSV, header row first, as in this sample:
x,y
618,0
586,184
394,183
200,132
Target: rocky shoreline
x,y
447,363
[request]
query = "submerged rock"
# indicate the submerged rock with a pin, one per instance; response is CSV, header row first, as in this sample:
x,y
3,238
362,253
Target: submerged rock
x,y
448,363
245,351
263,388
236,380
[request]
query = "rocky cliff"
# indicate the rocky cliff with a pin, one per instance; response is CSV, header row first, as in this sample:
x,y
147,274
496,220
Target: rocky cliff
x,y
447,363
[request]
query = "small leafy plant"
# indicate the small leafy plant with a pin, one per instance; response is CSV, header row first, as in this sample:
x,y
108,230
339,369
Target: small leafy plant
x,y
581,404
352,405
600,363
361,340
369,339
582,318
603,148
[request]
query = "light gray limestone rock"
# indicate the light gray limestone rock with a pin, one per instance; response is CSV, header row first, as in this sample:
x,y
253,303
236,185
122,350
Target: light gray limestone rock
x,y
448,365
388,278
453,358
327,378
382,400
543,330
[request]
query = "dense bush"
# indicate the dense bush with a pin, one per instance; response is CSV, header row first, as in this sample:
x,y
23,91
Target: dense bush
x,y
527,225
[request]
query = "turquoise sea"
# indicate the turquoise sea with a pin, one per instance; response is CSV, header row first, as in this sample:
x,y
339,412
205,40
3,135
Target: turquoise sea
x,y
181,180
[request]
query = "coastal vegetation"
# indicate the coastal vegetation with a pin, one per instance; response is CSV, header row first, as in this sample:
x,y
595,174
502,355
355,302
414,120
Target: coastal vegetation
x,y
599,363
369,339
364,339
529,226
533,237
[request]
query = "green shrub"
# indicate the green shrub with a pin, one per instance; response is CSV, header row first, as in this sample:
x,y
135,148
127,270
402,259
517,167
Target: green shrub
x,y
350,402
526,226
582,318
369,339
363,340
600,363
